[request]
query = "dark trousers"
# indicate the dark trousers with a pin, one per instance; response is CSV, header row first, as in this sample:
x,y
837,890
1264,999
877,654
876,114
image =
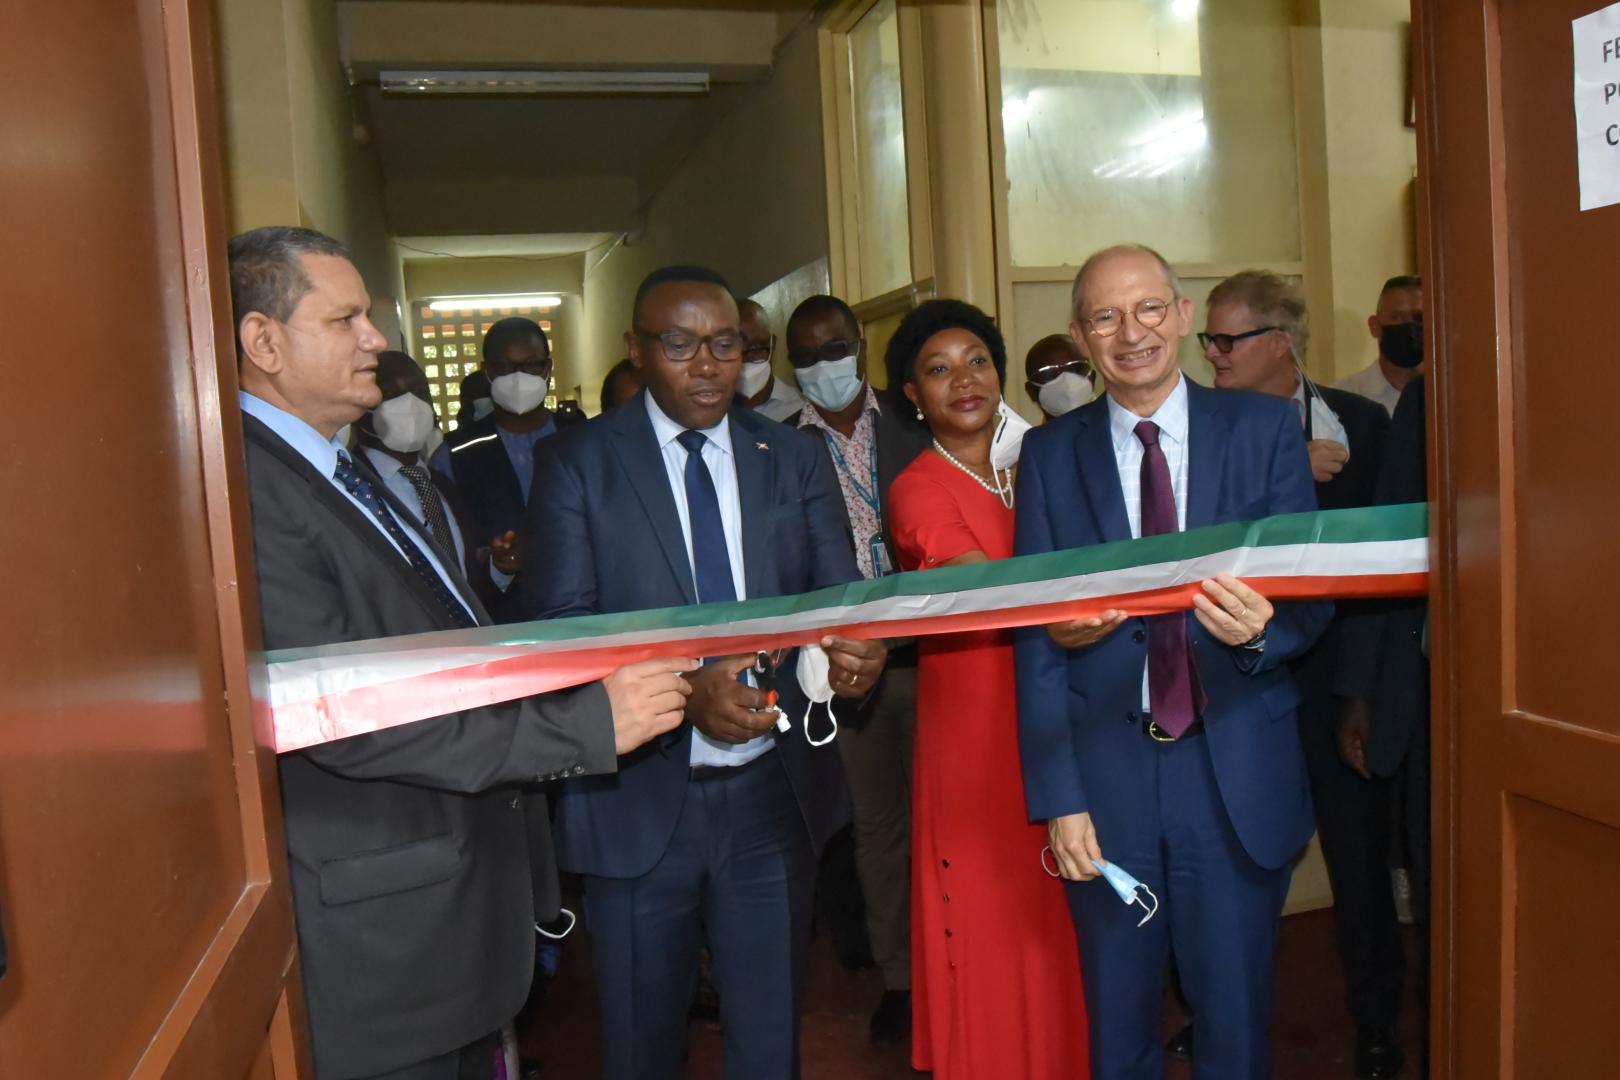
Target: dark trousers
x,y
1353,823
1218,907
475,1061
739,871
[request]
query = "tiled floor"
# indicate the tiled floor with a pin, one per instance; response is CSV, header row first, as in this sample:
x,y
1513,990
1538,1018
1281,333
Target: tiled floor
x,y
1313,1035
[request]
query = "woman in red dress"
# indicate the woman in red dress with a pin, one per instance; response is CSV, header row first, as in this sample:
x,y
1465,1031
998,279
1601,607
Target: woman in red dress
x,y
995,969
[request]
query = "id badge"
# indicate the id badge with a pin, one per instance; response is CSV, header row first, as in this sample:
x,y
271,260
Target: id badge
x,y
880,558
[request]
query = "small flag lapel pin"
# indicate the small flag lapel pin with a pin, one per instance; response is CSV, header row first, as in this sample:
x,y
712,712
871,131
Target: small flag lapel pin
x,y
763,446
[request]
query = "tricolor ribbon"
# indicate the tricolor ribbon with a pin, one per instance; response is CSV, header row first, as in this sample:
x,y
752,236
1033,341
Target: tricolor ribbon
x,y
318,695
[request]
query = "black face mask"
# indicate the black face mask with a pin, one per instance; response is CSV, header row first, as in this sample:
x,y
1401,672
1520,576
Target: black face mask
x,y
1402,343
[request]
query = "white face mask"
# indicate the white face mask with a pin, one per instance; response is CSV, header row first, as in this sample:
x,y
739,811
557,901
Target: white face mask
x,y
403,423
1009,437
1067,392
519,392
831,384
755,374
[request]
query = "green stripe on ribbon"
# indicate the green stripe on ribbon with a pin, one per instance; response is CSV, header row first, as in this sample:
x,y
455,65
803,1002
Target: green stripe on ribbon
x,y
1371,524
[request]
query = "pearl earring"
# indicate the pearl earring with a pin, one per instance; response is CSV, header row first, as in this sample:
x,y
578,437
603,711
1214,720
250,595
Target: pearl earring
x,y
920,415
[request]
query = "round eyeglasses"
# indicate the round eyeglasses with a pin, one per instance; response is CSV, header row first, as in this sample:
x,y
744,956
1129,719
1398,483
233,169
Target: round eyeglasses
x,y
1105,322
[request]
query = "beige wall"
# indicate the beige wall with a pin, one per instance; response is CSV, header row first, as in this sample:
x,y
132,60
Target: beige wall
x,y
749,200
1357,162
290,151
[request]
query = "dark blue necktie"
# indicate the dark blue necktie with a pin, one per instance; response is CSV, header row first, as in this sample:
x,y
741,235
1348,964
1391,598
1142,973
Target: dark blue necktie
x,y
711,563
361,489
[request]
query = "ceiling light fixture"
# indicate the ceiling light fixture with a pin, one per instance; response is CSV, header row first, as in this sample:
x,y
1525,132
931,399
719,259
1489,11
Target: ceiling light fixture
x,y
477,303
544,82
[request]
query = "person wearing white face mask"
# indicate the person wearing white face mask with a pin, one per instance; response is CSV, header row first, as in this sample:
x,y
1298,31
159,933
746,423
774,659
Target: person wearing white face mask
x,y
395,438
493,471
1058,378
869,438
757,387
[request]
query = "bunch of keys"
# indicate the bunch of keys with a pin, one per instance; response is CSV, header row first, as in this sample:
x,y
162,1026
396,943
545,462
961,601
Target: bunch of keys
x,y
764,669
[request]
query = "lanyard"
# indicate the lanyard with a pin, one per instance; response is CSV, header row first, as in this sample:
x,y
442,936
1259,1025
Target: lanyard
x,y
868,497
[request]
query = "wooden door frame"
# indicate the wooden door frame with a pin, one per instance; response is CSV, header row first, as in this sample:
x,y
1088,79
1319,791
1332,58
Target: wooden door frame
x,y
227,1012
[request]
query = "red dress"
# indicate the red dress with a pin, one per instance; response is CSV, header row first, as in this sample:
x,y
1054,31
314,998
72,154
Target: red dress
x,y
995,969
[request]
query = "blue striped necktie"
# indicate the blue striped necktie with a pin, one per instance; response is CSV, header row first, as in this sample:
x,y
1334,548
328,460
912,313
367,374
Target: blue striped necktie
x,y
361,489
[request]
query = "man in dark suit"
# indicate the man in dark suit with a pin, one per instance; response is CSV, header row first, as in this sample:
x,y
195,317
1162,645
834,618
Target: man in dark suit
x,y
1166,745
675,497
392,437
1255,333
1383,677
868,438
410,863
494,467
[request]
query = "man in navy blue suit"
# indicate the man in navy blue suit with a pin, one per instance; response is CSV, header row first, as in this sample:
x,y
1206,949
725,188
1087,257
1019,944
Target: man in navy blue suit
x,y
1166,745
677,497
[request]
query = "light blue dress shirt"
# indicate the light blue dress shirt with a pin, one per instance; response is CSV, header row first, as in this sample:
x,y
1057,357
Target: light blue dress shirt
x,y
322,454
722,467
519,447
389,468
1172,420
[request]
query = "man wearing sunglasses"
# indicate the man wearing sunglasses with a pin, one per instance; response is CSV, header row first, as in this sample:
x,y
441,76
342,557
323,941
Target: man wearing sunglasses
x,y
1166,744
1058,377
1255,336
757,386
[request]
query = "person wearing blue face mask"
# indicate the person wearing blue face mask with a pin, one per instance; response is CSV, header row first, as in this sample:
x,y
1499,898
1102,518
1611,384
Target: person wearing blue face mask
x,y
868,438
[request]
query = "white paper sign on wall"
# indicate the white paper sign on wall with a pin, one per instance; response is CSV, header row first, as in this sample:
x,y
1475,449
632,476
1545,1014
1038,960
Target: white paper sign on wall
x,y
1597,106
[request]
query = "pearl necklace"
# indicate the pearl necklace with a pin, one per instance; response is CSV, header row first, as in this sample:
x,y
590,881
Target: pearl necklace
x,y
1004,493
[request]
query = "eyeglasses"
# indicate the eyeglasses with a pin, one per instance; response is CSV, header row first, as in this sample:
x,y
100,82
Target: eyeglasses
x,y
836,349
1223,342
759,351
1047,372
678,345
1105,322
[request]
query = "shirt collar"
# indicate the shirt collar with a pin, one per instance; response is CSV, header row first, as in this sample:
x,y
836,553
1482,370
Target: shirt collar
x,y
528,437
667,431
386,465
811,416
1171,418
310,444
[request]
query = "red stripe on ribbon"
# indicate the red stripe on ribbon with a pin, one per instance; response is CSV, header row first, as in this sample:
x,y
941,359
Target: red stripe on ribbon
x,y
302,724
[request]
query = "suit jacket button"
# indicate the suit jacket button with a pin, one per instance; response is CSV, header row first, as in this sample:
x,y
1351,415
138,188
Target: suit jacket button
x,y
515,802
1131,717
1139,636
578,769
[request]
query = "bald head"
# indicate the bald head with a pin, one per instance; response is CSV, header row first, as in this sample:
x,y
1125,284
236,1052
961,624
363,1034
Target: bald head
x,y
1078,294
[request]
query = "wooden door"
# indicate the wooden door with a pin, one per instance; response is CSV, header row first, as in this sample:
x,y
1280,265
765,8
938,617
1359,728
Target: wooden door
x,y
147,922
1522,302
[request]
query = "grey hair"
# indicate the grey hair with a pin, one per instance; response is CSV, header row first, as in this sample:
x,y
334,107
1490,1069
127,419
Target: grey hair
x,y
1077,299
1272,299
267,274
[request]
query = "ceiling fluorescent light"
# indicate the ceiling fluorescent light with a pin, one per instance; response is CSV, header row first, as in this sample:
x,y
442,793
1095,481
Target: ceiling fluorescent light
x,y
475,303
544,82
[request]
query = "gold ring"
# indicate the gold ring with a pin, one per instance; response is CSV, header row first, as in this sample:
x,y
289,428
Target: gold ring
x,y
1242,613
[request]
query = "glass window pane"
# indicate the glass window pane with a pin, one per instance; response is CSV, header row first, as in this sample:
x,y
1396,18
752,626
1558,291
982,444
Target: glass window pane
x,y
1169,124
431,371
452,371
469,349
467,329
883,223
449,353
430,352
435,389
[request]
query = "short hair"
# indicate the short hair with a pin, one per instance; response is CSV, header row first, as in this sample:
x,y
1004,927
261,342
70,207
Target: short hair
x,y
1272,299
822,304
605,402
474,383
510,330
666,275
267,271
1400,281
1077,300
928,319
746,304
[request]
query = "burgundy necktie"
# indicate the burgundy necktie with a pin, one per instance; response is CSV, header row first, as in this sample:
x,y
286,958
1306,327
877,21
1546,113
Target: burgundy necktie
x,y
1175,694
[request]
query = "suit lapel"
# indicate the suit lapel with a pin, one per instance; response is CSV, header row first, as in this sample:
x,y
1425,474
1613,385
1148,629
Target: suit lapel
x,y
1208,434
406,518
752,452
1099,473
643,462
326,493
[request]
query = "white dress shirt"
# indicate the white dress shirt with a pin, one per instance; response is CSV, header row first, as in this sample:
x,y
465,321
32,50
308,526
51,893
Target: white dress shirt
x,y
1171,418
722,467
784,401
1370,382
322,454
